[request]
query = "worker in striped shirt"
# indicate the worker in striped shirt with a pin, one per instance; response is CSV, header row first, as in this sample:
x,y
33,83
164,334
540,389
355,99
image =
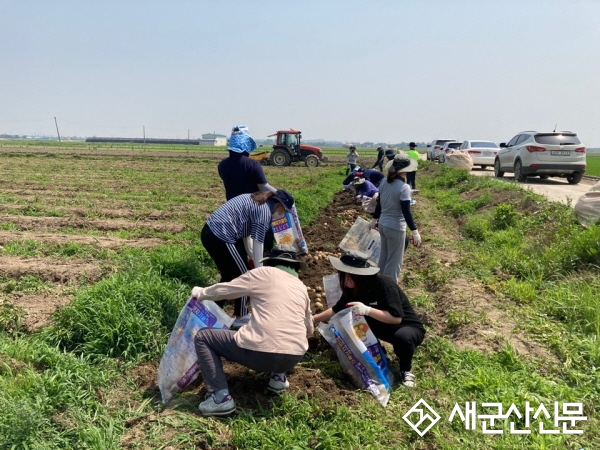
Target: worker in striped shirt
x,y
247,215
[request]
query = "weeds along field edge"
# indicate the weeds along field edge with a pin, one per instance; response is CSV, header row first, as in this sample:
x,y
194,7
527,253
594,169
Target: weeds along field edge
x,y
73,378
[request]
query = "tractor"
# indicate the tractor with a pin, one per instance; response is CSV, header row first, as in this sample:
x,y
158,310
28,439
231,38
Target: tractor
x,y
288,149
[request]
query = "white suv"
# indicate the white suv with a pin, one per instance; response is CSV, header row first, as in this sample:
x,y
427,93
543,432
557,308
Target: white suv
x,y
553,154
433,149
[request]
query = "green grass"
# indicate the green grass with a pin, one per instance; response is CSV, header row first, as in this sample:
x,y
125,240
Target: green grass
x,y
593,164
69,386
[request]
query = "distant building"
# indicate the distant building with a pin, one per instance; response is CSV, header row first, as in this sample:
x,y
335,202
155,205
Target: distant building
x,y
218,140
368,144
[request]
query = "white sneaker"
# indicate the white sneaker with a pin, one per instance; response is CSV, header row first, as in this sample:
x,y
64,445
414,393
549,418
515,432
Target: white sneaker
x,y
210,407
277,385
408,379
241,321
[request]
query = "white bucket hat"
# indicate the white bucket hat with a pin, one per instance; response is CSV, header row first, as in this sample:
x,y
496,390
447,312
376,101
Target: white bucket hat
x,y
402,163
354,262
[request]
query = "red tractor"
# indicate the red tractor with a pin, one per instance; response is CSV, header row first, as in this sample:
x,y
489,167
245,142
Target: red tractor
x,y
288,149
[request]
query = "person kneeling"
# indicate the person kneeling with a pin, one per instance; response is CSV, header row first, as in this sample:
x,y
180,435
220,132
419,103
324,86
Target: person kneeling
x,y
275,338
388,312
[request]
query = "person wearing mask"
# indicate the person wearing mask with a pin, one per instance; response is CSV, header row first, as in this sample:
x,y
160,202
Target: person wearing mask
x,y
392,215
247,215
352,157
274,340
374,176
386,308
411,177
363,188
380,159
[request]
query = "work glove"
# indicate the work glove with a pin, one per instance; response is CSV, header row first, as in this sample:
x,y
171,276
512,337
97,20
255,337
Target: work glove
x,y
373,224
196,292
416,238
359,308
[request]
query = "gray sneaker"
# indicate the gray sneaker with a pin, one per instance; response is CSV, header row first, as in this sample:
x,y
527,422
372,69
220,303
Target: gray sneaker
x,y
210,407
408,379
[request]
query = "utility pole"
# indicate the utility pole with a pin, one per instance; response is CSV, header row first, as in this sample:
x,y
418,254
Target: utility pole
x,y
57,132
144,131
188,137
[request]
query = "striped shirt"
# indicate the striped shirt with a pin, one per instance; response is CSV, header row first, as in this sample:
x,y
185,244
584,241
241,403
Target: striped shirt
x,y
239,218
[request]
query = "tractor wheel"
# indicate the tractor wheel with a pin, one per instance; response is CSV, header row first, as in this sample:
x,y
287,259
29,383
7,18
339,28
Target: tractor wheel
x,y
264,162
280,158
311,161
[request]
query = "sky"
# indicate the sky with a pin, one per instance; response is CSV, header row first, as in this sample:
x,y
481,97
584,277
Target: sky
x,y
353,71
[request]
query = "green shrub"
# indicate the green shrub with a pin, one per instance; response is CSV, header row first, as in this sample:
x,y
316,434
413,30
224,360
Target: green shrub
x,y
504,217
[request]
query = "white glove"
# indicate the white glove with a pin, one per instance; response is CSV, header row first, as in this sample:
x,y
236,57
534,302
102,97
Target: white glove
x,y
373,224
416,238
359,308
197,292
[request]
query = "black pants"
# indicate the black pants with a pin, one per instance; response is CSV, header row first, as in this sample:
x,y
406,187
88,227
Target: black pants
x,y
411,178
349,168
231,260
378,163
405,340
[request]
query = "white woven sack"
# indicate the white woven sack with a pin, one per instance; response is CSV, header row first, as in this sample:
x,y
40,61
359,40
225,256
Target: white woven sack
x,y
595,187
459,160
587,208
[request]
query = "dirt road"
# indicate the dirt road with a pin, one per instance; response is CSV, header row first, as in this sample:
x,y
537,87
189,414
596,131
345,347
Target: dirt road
x,y
554,189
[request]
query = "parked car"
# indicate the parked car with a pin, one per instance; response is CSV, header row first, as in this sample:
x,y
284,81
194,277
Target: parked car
x,y
483,153
544,154
434,148
448,147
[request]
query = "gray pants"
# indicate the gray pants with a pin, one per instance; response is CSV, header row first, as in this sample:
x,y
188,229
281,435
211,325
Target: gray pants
x,y
392,251
212,344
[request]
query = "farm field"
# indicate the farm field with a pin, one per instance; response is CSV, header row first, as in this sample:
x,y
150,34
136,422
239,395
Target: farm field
x,y
99,253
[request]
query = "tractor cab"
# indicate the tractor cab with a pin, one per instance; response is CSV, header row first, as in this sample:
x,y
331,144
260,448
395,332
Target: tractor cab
x,y
288,148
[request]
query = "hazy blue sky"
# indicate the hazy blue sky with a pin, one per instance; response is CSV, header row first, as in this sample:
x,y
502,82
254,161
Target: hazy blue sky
x,y
382,71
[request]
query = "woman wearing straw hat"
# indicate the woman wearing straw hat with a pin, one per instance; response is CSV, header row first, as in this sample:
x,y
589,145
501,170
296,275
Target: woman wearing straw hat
x,y
392,215
275,338
386,308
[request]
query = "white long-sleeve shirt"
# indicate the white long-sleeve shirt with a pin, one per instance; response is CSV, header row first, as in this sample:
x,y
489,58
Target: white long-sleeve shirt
x,y
281,317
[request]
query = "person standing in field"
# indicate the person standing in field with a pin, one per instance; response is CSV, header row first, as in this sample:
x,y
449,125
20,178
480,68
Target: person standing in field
x,y
352,157
380,157
411,177
223,234
392,215
244,175
385,306
275,338
241,174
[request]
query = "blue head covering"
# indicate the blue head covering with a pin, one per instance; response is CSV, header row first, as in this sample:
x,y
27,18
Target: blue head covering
x,y
240,140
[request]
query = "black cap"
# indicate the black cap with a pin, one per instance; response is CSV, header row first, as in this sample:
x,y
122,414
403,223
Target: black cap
x,y
389,153
285,254
285,198
412,144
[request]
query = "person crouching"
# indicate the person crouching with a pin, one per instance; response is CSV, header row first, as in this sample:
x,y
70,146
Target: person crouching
x,y
275,338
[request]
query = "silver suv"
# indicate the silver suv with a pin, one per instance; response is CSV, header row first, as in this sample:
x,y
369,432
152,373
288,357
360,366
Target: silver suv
x,y
553,154
434,149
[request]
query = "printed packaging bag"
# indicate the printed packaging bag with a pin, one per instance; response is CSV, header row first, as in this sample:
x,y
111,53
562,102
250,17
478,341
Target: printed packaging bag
x,y
287,230
360,237
359,353
179,363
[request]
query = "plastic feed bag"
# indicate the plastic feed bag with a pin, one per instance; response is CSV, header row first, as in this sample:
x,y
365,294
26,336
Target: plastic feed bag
x,y
333,291
359,353
179,363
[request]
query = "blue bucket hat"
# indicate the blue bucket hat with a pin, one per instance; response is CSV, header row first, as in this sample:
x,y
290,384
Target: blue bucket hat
x,y
240,140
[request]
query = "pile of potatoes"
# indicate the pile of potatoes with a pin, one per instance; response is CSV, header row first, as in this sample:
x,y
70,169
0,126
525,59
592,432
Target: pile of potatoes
x,y
317,293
